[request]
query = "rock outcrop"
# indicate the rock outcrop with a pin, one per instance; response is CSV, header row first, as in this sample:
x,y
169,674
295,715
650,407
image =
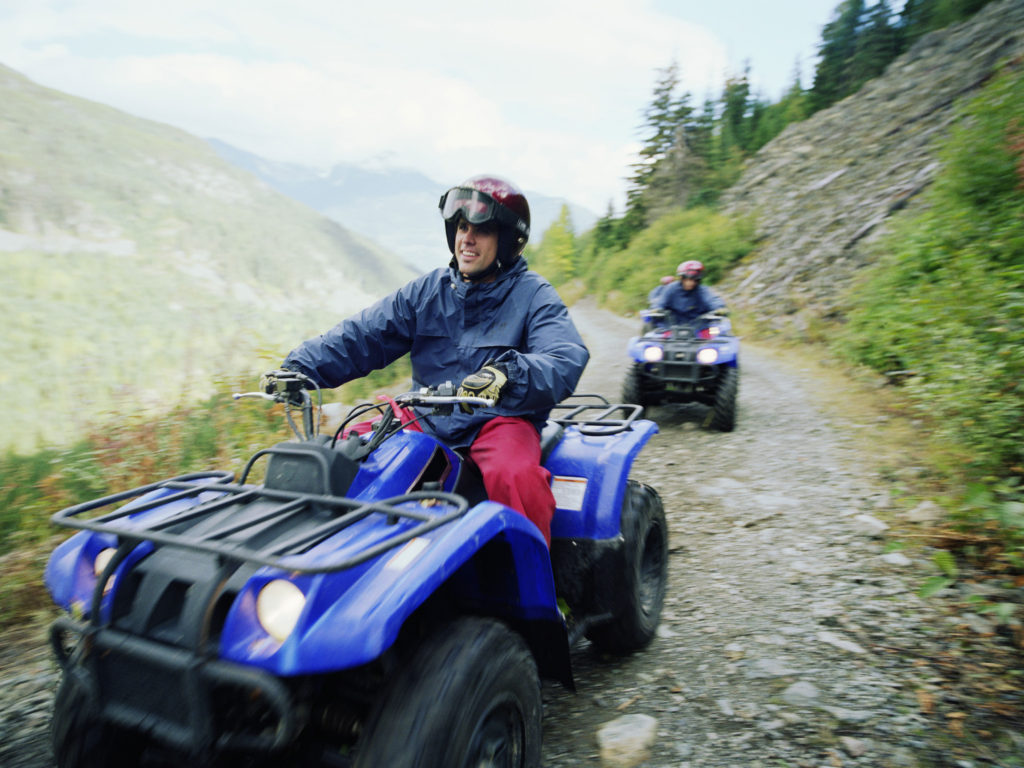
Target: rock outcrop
x,y
827,186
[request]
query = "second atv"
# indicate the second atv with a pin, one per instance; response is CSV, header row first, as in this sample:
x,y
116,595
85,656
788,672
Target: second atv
x,y
694,362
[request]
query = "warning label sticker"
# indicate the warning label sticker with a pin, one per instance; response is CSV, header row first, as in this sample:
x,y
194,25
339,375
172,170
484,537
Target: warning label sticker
x,y
569,492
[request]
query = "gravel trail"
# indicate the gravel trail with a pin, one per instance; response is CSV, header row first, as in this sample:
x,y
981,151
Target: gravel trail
x,y
790,635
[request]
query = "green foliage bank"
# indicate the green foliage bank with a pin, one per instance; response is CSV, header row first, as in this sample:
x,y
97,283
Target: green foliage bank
x,y
942,309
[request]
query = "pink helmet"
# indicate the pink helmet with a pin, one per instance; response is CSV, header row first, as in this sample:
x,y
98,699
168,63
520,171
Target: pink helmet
x,y
691,269
489,198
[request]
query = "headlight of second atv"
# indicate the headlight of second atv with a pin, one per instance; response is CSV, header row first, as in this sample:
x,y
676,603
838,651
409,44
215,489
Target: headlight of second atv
x,y
707,356
654,354
278,608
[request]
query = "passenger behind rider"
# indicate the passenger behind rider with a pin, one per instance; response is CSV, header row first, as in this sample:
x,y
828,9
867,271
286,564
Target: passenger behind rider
x,y
486,321
656,291
686,299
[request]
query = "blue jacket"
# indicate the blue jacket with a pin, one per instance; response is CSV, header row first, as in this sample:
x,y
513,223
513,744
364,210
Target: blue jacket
x,y
688,305
451,328
655,294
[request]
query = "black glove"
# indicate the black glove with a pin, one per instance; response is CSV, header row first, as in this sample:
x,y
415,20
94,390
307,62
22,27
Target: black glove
x,y
487,382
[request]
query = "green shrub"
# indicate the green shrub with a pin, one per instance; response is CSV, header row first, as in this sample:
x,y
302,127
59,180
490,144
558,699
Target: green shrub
x,y
943,306
697,233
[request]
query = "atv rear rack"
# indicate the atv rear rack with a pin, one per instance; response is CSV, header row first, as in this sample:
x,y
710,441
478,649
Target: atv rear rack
x,y
602,423
325,516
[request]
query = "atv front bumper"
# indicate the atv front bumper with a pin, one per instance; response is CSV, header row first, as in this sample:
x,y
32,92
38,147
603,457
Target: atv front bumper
x,y
681,369
188,703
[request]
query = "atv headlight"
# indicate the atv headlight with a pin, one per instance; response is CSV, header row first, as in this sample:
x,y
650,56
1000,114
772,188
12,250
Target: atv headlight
x,y
278,607
653,354
102,560
100,563
707,356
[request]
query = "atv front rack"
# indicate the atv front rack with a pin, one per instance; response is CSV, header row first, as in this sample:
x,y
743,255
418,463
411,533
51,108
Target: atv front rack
x,y
595,416
308,518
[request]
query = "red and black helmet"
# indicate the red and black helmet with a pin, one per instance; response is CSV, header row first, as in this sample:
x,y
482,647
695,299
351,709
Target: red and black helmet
x,y
692,270
489,198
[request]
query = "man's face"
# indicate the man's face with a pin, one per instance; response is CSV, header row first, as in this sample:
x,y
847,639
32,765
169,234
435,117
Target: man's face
x,y
476,247
688,283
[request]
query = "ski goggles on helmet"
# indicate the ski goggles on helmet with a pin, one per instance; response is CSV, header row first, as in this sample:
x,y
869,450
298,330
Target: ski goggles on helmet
x,y
478,207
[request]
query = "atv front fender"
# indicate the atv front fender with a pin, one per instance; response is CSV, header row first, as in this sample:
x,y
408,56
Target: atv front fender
x,y
352,617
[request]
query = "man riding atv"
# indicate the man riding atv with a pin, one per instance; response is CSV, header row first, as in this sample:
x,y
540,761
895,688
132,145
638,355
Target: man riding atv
x,y
485,320
356,601
687,299
686,351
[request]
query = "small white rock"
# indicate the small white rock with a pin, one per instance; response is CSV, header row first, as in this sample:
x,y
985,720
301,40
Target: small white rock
x,y
896,558
840,642
626,741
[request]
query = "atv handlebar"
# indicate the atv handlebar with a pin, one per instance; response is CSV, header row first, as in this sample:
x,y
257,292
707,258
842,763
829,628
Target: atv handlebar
x,y
443,395
476,402
292,389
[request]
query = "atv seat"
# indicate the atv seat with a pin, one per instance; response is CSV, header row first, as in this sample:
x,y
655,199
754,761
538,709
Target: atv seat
x,y
550,436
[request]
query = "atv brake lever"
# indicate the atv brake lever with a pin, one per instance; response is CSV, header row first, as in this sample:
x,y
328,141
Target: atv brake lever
x,y
261,395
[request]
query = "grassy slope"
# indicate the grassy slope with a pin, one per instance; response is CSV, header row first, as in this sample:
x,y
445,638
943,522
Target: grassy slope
x,y
134,261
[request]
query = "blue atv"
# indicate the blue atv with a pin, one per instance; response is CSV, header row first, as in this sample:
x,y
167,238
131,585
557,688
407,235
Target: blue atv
x,y
696,362
363,605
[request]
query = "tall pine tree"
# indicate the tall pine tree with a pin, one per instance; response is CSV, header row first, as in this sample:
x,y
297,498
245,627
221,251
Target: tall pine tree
x,y
877,44
832,78
663,120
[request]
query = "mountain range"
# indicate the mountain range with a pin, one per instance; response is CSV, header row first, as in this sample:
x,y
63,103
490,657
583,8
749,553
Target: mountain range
x,y
394,207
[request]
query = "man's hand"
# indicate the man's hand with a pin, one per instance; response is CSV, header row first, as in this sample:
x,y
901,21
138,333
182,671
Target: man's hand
x,y
487,382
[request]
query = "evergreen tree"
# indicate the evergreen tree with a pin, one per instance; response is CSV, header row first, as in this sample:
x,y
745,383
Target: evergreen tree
x,y
878,44
915,20
605,237
658,125
664,118
699,133
735,113
833,78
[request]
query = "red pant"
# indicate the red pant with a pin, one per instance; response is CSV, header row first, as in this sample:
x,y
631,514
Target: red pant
x,y
507,451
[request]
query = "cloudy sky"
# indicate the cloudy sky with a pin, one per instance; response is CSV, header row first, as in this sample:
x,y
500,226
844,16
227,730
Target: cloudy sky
x,y
549,93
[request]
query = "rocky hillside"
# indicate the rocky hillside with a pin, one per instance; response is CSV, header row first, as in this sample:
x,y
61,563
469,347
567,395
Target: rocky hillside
x,y
826,187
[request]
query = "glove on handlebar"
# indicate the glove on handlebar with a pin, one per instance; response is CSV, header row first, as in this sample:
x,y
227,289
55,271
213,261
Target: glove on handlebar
x,y
487,382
